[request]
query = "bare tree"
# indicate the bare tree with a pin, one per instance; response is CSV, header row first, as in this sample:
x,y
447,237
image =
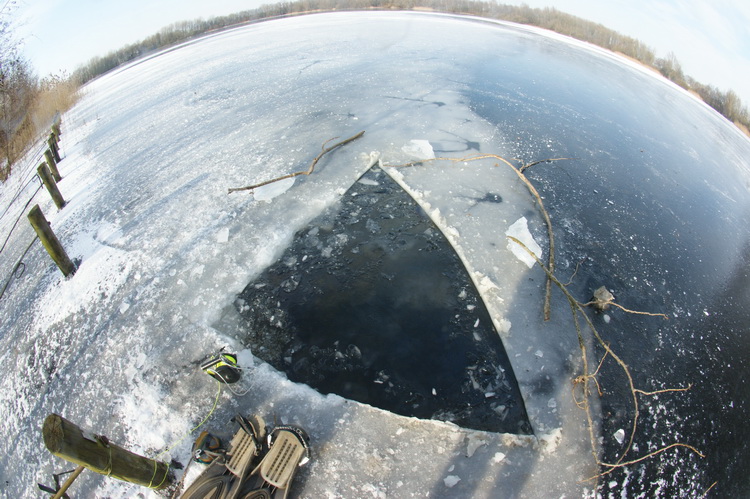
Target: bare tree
x,y
18,87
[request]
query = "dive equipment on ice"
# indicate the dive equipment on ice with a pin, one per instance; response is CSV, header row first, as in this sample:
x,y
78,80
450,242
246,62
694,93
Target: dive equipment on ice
x,y
206,448
222,367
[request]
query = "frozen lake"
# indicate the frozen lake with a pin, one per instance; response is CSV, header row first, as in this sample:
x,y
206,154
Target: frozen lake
x,y
653,204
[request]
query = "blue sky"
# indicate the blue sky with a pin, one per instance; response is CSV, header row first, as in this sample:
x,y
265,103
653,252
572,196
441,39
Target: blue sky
x,y
711,38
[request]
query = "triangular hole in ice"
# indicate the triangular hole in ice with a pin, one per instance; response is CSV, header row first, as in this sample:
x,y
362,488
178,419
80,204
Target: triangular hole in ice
x,y
372,303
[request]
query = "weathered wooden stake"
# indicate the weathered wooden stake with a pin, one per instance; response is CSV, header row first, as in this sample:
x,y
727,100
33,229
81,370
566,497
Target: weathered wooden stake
x,y
52,143
66,440
50,241
56,129
52,165
51,185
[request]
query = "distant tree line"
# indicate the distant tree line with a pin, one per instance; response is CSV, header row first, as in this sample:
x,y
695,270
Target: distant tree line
x,y
727,103
26,103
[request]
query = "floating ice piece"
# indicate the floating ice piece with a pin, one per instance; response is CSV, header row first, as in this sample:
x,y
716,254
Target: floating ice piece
x,y
451,480
498,457
368,181
520,230
420,149
223,235
270,191
620,436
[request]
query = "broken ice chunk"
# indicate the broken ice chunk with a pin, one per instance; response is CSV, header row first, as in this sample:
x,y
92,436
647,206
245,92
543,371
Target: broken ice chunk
x,y
451,480
520,230
474,441
420,149
270,191
620,436
245,358
372,159
368,181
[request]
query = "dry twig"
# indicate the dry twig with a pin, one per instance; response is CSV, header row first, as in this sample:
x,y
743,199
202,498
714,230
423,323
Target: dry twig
x,y
635,312
577,308
325,150
529,165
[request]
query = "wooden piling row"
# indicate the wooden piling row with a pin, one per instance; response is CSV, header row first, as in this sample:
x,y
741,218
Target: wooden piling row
x,y
49,182
52,165
52,143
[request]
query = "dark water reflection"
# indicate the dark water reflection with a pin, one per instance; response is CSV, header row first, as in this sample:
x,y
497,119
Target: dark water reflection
x,y
372,303
656,205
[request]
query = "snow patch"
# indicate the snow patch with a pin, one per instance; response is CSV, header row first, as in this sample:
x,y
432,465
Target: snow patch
x,y
548,442
223,235
103,270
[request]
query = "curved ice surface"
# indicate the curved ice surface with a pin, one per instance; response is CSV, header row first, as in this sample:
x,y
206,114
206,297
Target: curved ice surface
x,y
655,208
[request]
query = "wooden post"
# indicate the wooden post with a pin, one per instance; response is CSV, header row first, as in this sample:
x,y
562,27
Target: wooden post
x,y
66,440
56,129
52,143
50,241
51,185
52,165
